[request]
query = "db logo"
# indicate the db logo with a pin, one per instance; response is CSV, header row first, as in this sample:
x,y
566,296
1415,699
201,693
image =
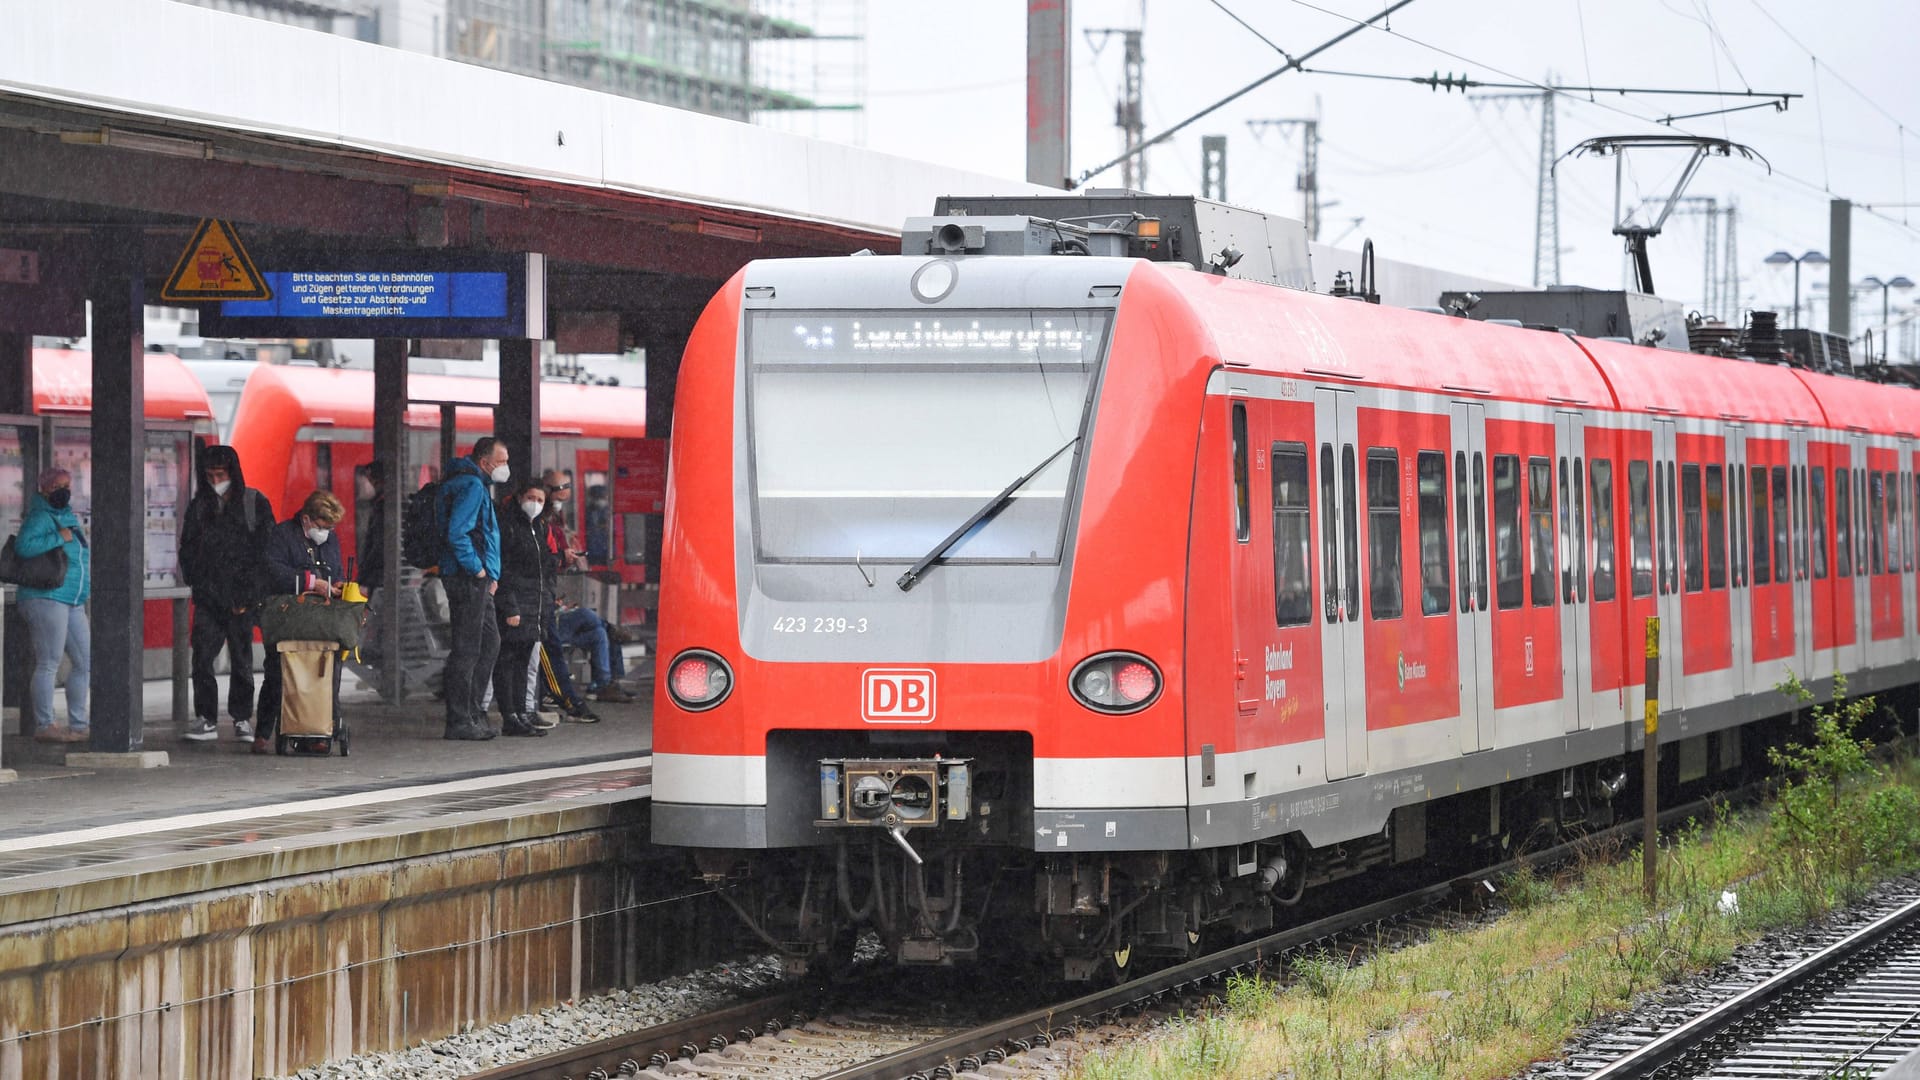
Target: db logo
x,y
896,696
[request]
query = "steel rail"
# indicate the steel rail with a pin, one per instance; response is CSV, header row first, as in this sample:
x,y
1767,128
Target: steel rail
x,y
1695,1033
671,1039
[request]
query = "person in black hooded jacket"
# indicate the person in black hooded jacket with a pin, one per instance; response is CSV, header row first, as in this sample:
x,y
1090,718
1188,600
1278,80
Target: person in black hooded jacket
x,y
526,593
223,560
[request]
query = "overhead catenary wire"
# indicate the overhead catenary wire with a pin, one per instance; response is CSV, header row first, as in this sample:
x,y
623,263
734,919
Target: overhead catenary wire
x,y
1523,82
1290,65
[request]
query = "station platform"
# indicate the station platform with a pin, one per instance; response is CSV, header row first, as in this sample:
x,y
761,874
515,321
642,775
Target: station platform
x,y
392,746
245,915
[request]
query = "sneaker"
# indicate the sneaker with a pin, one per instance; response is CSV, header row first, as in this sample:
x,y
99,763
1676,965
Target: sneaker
x,y
545,720
471,733
518,727
201,731
243,730
76,735
612,694
582,715
262,745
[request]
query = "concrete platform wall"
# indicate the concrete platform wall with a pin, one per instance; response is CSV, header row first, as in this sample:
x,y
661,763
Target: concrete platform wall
x,y
262,979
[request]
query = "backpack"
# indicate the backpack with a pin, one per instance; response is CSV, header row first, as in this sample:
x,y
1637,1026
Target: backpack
x,y
421,534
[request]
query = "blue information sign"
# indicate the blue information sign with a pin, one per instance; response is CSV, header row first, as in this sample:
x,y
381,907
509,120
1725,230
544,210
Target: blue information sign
x,y
377,294
402,295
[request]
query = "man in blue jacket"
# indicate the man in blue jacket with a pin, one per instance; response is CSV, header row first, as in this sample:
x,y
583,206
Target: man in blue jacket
x,y
470,571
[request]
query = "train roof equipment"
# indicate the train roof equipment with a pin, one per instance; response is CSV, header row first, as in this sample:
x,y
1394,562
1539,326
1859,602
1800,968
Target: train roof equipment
x,y
1206,235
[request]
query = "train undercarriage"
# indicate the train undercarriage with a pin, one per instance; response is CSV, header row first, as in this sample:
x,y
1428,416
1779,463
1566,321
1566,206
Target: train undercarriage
x,y
964,889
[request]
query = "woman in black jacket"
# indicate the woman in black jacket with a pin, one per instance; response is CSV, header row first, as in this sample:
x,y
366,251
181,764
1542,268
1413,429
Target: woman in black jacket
x,y
303,556
526,592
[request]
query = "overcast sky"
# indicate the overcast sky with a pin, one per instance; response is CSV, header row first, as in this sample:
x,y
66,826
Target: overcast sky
x,y
1442,179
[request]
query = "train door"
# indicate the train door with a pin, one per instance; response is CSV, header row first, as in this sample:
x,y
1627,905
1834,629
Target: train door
x,y
1802,573
1856,458
1666,546
1905,494
1470,578
1343,655
1740,602
1247,564
1576,628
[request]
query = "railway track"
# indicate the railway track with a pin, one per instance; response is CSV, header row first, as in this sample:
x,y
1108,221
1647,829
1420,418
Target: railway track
x,y
1850,1010
813,1032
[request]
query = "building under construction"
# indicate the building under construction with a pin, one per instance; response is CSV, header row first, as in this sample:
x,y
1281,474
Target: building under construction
x,y
742,59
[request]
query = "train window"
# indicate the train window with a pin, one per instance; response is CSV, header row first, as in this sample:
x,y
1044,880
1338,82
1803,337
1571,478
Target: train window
x,y
1860,522
1762,564
1292,537
1906,529
1329,538
1540,505
1799,522
1842,523
1242,517
1640,526
1876,518
1716,529
1817,516
1737,534
1436,582
1566,539
1462,554
1508,569
1480,531
1350,523
1580,527
1602,480
1694,531
1673,533
1782,527
1385,587
1660,527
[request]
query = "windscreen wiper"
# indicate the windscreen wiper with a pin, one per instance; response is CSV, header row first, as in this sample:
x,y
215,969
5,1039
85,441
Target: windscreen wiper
x,y
993,506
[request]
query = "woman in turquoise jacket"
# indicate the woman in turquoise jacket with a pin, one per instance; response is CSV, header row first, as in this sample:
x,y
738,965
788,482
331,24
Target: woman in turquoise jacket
x,y
57,618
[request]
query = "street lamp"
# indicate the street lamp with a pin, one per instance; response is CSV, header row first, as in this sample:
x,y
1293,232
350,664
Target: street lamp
x,y
1886,311
1811,258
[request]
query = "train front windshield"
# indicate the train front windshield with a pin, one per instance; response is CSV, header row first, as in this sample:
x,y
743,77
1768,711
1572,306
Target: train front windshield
x,y
875,435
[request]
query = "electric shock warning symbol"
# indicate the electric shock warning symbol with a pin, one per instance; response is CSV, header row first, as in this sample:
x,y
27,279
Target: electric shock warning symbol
x,y
215,266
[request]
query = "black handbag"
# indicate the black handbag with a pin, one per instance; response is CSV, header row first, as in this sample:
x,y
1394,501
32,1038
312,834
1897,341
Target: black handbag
x,y
47,570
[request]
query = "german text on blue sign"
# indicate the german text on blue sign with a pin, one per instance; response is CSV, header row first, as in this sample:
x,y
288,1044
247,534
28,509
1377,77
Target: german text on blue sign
x,y
374,294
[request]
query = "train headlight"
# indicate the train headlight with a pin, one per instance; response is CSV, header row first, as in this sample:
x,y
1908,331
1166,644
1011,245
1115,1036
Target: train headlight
x,y
698,680
1116,682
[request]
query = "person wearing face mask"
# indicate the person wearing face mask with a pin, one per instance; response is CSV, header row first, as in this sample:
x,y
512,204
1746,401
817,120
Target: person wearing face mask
x,y
303,556
223,546
526,590
57,618
470,572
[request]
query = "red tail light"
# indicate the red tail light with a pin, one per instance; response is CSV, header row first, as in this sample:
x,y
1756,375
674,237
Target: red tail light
x,y
1115,682
698,680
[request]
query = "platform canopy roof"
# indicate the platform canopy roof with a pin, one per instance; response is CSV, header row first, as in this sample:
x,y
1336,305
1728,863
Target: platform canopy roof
x,y
141,111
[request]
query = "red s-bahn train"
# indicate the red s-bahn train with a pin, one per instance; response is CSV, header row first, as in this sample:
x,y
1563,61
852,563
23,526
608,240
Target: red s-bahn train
x,y
1102,601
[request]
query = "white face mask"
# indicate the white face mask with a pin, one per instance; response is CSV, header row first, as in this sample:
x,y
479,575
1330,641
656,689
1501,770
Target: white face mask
x,y
220,487
501,474
532,509
318,536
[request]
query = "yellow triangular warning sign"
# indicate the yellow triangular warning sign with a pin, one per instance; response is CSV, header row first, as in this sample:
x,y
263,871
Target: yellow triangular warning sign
x,y
215,267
